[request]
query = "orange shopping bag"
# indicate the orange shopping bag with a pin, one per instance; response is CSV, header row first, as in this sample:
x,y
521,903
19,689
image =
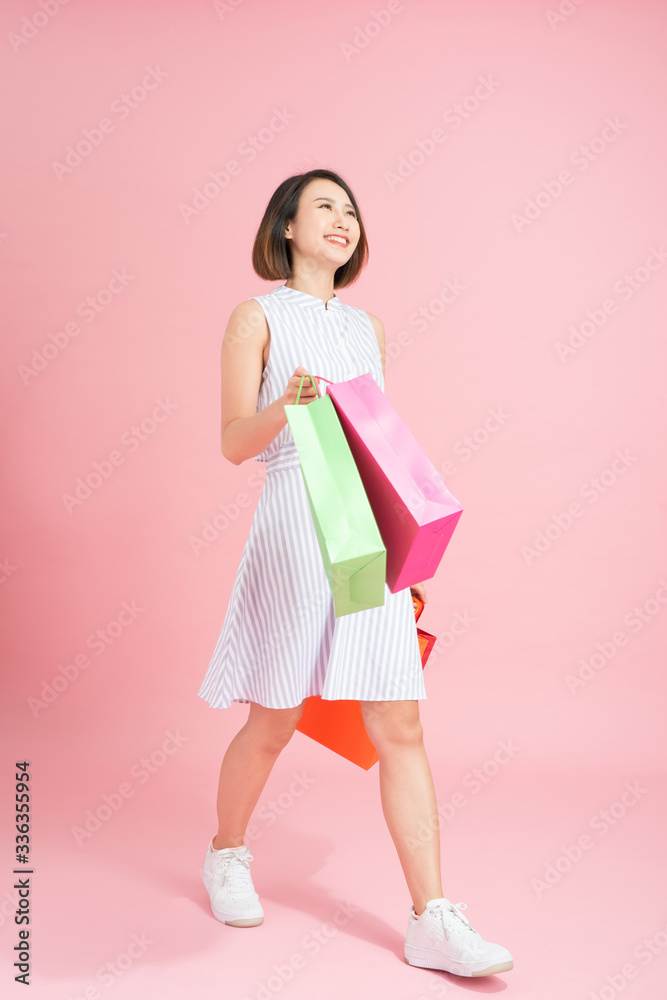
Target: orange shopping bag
x,y
339,725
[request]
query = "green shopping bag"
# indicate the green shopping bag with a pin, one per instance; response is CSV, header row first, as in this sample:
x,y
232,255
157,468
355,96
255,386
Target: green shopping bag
x,y
353,553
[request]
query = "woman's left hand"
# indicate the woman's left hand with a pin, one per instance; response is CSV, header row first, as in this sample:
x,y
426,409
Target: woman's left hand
x,y
419,590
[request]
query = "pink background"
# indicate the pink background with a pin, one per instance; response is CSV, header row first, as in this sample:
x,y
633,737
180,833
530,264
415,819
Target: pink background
x,y
361,100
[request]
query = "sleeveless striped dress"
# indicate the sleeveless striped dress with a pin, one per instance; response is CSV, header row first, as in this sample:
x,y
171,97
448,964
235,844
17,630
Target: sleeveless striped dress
x,y
280,641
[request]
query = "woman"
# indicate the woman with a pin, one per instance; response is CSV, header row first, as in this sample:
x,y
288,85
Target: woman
x,y
280,641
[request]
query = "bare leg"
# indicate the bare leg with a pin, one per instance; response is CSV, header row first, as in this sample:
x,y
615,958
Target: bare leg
x,y
407,793
246,767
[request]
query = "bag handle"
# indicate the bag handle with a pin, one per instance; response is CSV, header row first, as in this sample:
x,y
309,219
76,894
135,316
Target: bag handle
x,y
317,388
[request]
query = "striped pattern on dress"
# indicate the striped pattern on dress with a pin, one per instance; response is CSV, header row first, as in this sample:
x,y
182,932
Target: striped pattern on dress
x,y
280,641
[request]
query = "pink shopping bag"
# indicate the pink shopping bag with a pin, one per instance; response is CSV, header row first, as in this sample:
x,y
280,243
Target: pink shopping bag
x,y
414,510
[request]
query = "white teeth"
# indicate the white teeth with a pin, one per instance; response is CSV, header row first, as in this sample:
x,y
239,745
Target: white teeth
x,y
338,239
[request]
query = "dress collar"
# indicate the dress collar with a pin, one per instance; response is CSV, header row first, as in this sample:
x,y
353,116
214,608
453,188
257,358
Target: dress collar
x,y
307,299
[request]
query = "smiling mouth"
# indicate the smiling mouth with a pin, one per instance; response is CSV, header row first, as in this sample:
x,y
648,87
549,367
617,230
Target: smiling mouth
x,y
339,241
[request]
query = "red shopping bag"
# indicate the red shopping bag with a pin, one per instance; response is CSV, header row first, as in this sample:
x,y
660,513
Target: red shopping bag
x,y
426,640
339,725
414,510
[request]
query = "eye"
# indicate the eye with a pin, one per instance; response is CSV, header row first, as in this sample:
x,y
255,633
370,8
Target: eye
x,y
349,211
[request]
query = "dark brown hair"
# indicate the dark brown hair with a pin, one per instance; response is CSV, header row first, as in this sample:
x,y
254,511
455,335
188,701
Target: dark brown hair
x,y
271,254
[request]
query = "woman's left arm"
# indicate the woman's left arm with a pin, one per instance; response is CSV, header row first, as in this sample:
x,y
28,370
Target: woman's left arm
x,y
379,333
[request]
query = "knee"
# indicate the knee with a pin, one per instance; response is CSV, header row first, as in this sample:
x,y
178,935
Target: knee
x,y
392,724
276,739
273,728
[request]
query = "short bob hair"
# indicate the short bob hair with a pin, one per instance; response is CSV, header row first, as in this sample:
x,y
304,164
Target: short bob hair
x,y
271,256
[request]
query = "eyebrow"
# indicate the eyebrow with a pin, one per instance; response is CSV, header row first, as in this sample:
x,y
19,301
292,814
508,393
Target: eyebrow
x,y
346,205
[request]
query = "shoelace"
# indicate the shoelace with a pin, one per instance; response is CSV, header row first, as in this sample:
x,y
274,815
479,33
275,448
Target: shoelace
x,y
234,871
452,908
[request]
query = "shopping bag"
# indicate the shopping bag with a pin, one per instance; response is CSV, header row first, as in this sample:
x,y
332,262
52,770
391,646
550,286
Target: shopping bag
x,y
339,725
354,556
426,640
414,510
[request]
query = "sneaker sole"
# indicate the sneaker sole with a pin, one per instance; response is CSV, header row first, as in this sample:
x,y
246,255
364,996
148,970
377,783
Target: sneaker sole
x,y
425,958
254,920
242,921
226,918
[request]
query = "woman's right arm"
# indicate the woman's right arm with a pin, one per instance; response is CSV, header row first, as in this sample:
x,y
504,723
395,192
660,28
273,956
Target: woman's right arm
x,y
244,432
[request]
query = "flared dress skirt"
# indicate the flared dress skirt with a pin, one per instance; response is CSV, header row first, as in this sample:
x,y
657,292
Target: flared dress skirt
x,y
280,641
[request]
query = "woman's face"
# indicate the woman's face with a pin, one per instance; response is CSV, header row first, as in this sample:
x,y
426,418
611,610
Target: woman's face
x,y
324,212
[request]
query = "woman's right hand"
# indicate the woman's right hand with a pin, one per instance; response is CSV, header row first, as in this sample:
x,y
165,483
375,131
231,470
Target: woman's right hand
x,y
308,393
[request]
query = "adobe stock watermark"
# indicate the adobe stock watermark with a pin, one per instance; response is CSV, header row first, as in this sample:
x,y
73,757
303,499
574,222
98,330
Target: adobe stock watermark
x,y
7,569
474,781
227,514
436,988
564,10
591,491
142,770
288,629
422,318
257,323
625,288
453,117
401,689
457,626
115,968
581,158
273,809
317,599
606,649
374,26
301,166
601,823
32,24
9,905
312,944
247,151
224,8
131,439
88,309
318,603
471,443
98,642
464,448
647,949
92,138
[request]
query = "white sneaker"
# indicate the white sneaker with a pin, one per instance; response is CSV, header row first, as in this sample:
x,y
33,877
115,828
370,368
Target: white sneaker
x,y
229,885
442,938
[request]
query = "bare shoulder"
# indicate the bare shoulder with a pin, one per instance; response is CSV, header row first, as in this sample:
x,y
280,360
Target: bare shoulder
x,y
249,315
378,327
379,333
246,327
